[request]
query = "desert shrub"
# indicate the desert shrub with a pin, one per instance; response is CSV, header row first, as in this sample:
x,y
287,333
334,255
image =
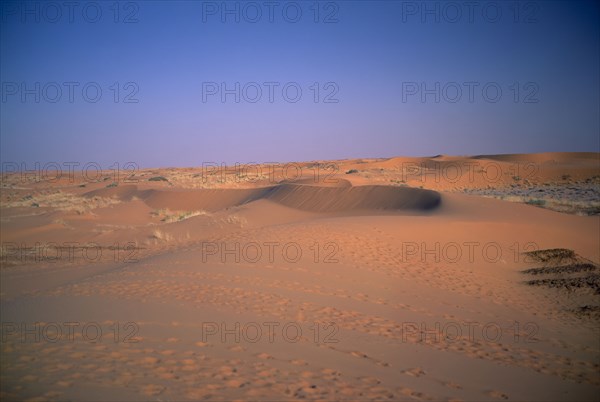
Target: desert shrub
x,y
536,202
168,216
160,235
64,202
551,254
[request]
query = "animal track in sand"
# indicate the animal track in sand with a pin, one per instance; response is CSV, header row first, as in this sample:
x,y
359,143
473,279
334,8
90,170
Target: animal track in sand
x,y
415,372
497,394
273,305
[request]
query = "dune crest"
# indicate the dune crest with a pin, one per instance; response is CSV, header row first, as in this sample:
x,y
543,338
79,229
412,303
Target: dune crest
x,y
304,196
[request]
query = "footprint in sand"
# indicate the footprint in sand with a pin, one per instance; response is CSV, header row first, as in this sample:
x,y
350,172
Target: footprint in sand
x,y
497,394
453,385
235,383
410,392
53,395
415,372
330,372
29,378
150,360
152,389
198,394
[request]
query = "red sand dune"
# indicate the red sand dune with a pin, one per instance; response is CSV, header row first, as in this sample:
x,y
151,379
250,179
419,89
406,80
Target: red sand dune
x,y
400,292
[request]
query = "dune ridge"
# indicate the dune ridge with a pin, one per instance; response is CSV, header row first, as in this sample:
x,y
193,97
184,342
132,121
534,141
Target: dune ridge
x,y
314,198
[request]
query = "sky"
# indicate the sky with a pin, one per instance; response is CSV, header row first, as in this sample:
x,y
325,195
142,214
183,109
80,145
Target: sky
x,y
182,83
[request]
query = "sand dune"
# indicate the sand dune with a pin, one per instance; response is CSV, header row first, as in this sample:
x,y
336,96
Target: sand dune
x,y
398,288
315,198
543,157
324,199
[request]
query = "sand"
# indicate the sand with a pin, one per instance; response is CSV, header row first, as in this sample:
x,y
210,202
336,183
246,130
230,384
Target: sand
x,y
367,279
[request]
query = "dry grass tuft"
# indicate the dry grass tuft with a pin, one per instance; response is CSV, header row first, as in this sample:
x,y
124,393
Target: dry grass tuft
x,y
169,216
161,235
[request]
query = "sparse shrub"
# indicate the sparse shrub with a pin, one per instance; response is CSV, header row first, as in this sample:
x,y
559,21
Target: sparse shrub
x,y
236,220
157,178
352,171
536,202
551,254
160,235
64,202
398,182
111,185
168,216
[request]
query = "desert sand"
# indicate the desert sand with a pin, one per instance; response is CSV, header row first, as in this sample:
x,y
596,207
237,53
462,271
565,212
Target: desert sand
x,y
440,278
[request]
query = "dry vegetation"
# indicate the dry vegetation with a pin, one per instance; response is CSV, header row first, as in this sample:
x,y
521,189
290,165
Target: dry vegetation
x,y
61,201
576,279
168,216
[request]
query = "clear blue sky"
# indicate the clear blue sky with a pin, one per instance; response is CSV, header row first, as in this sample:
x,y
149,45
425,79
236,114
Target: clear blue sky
x,y
373,58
